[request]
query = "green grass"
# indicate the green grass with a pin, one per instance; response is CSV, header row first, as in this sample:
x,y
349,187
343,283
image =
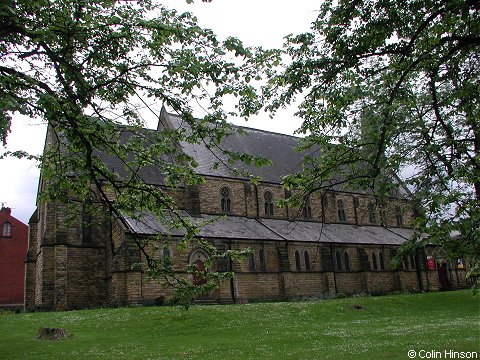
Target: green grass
x,y
386,328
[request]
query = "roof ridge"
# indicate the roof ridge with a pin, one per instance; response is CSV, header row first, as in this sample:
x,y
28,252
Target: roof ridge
x,y
247,128
265,131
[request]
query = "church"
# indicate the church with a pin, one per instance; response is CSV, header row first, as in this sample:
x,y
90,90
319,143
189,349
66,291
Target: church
x,y
340,242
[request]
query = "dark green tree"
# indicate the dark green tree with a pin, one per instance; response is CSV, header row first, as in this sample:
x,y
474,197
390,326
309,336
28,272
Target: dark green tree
x,y
91,70
387,88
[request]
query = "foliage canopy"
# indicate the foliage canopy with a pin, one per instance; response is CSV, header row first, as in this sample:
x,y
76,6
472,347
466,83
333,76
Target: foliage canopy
x,y
92,70
389,88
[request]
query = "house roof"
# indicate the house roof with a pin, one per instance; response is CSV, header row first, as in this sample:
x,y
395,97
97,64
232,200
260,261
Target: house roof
x,y
242,228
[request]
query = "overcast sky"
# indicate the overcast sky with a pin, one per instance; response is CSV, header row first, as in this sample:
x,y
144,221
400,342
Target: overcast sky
x,y
255,22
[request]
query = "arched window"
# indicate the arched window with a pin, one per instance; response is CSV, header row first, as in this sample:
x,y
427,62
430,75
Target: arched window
x,y
399,216
225,201
307,209
87,222
347,261
167,257
261,256
307,261
268,197
325,201
338,259
298,265
374,261
251,263
412,262
341,211
382,261
372,216
7,229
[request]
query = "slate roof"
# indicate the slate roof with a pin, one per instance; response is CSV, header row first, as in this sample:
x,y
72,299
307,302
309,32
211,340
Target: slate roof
x,y
242,228
337,233
151,174
278,148
228,227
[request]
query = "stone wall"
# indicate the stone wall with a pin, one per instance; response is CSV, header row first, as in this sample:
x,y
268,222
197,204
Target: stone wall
x,y
249,199
66,270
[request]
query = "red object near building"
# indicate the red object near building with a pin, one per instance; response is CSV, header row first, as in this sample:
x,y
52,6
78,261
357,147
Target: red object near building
x,y
13,247
431,263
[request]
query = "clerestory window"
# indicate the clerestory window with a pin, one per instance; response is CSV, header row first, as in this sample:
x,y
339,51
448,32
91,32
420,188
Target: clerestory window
x,y
225,201
307,209
342,216
399,216
268,202
372,216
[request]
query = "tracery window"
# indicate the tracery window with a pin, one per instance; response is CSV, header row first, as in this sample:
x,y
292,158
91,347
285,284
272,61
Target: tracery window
x,y
225,201
325,201
307,209
341,211
268,199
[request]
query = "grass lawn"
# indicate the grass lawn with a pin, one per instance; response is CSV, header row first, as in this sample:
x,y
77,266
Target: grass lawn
x,y
386,328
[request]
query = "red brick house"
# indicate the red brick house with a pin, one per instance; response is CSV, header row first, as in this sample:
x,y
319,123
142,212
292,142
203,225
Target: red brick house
x,y
341,242
13,247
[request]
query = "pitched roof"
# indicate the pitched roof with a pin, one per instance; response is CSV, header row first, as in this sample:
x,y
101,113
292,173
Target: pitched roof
x,y
278,148
226,227
242,228
151,174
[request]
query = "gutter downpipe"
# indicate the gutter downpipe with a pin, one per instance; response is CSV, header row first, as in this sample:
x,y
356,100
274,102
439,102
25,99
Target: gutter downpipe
x,y
232,284
333,268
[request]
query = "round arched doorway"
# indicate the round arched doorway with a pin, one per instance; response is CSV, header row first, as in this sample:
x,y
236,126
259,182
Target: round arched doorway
x,y
197,258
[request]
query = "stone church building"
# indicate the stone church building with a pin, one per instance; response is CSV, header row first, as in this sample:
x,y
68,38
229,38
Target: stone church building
x,y
340,242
